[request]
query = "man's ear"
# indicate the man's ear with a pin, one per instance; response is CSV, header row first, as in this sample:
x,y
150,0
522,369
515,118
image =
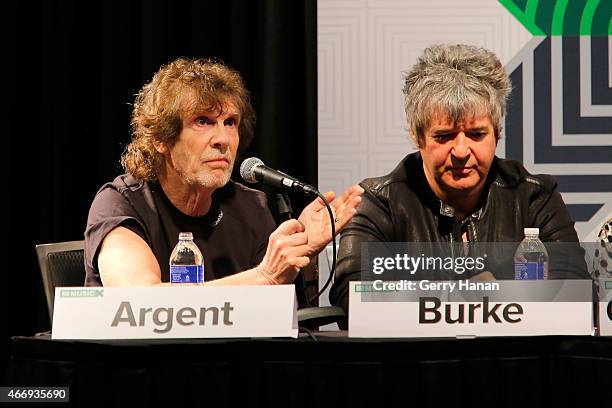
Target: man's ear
x,y
160,147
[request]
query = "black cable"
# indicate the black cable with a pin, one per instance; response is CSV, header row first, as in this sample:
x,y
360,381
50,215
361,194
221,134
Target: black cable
x,y
333,230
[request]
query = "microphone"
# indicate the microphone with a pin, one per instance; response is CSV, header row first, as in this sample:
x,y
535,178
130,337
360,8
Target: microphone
x,y
253,170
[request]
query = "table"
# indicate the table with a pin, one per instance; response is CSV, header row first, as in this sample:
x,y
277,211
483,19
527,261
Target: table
x,y
334,370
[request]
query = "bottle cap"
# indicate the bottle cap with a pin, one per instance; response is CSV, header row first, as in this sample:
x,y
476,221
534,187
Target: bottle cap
x,y
185,235
532,232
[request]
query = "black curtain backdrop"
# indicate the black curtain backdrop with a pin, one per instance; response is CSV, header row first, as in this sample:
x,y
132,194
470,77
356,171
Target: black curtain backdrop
x,y
73,68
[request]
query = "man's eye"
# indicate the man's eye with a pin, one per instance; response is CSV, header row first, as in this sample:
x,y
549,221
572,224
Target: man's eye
x,y
443,136
202,120
476,135
230,122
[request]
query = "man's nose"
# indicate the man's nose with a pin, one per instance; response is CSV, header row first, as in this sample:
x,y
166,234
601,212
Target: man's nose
x,y
461,150
220,138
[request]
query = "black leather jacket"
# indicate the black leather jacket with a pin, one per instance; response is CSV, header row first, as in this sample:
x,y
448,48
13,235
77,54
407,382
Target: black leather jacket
x,y
401,207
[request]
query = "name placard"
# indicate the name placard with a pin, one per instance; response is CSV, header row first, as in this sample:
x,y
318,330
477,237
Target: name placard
x,y
459,308
174,312
605,307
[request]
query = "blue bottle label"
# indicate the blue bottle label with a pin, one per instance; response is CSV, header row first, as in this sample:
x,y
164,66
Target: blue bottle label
x,y
201,274
529,270
186,274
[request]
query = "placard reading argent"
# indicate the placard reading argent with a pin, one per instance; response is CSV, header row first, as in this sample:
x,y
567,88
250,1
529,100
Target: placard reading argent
x,y
175,312
457,309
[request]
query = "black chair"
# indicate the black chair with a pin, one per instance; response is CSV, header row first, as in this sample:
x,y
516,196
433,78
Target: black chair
x,y
61,264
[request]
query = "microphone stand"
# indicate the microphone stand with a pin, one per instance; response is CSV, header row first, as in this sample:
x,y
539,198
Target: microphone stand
x,y
284,206
285,213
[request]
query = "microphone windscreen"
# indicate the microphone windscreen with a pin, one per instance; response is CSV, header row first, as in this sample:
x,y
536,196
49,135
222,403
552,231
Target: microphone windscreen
x,y
247,167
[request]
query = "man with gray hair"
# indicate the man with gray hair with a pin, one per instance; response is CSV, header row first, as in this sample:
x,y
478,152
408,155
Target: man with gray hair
x,y
454,189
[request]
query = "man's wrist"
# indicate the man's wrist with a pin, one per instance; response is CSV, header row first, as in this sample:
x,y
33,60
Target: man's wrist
x,y
264,276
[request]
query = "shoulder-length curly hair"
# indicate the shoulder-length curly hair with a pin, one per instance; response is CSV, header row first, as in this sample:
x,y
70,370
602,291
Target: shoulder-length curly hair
x,y
179,88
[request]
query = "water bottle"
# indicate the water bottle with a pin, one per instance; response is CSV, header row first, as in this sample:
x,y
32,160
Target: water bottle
x,y
531,257
186,261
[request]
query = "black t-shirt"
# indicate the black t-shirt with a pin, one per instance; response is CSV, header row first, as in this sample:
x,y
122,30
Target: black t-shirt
x,y
232,236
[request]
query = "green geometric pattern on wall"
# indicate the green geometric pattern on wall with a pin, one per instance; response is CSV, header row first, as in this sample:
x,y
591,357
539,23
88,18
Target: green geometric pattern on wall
x,y
563,17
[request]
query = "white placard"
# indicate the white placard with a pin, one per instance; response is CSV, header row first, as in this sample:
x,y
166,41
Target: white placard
x,y
605,307
174,312
515,308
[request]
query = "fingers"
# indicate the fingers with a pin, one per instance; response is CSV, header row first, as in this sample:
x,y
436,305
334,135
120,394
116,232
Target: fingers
x,y
289,234
289,227
329,196
301,262
317,204
282,240
281,265
286,253
348,196
337,203
345,206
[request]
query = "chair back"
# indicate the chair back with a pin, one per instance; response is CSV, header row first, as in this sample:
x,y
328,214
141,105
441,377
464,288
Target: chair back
x,y
61,264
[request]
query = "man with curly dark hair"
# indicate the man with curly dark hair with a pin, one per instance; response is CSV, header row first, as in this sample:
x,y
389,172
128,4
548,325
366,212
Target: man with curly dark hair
x,y
188,124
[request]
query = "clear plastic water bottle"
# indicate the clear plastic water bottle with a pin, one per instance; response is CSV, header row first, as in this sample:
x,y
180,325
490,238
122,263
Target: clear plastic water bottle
x,y
531,257
186,261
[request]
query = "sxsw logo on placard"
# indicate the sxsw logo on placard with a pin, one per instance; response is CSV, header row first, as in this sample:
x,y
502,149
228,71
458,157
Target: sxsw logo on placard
x,y
81,293
559,118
